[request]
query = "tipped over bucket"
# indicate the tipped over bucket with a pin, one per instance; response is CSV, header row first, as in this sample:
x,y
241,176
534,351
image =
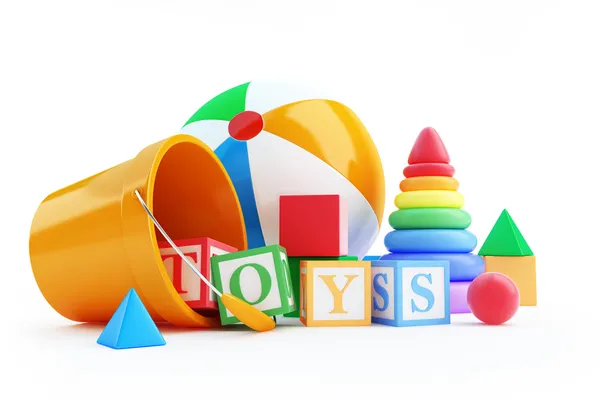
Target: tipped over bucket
x,y
92,241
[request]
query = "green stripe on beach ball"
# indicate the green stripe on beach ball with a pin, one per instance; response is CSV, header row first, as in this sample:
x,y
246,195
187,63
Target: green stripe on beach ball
x,y
406,219
224,106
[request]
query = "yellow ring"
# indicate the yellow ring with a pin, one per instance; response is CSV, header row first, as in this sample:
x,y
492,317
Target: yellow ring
x,y
433,198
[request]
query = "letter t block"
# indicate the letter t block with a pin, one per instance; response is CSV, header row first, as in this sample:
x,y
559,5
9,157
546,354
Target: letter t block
x,y
411,293
335,293
196,294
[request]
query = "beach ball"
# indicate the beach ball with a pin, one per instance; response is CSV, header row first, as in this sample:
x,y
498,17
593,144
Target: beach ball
x,y
280,138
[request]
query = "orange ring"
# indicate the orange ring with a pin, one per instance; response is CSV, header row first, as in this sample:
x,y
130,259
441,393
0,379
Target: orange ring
x,y
429,183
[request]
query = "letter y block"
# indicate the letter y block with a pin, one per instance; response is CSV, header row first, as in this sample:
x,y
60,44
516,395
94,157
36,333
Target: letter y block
x,y
335,293
410,293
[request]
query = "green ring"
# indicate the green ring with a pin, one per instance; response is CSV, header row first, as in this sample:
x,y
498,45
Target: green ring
x,y
408,219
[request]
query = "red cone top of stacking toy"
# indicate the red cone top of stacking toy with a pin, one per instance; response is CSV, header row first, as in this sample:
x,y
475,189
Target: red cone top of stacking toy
x,y
246,125
428,148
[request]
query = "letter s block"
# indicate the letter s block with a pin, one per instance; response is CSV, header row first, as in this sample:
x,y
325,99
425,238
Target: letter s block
x,y
335,293
259,276
410,293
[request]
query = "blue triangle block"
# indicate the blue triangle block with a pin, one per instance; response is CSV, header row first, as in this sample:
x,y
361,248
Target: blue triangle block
x,y
131,326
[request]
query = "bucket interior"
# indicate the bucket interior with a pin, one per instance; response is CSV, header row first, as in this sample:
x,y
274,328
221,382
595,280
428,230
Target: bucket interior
x,y
193,197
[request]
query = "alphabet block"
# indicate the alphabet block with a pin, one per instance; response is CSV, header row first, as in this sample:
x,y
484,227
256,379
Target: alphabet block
x,y
335,293
410,293
191,288
294,263
259,276
521,269
313,225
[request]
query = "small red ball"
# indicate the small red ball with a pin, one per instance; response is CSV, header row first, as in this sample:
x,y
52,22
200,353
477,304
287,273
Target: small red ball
x,y
493,298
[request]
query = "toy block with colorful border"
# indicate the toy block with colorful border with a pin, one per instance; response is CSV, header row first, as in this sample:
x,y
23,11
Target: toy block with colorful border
x,y
190,287
335,293
294,263
313,225
258,276
410,293
521,269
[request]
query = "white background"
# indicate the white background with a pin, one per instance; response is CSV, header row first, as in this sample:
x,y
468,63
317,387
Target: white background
x,y
513,88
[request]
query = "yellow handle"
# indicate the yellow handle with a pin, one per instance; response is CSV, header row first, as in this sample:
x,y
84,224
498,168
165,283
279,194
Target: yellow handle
x,y
247,313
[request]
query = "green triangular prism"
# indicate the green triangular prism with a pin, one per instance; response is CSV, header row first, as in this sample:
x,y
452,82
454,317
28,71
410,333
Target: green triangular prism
x,y
224,106
505,239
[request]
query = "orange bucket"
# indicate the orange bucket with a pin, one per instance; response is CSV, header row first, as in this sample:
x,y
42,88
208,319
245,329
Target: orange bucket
x,y
93,241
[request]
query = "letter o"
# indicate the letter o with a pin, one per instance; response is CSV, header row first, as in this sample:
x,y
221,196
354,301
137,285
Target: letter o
x,y
263,275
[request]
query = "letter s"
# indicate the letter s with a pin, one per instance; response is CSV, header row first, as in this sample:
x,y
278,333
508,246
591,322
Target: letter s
x,y
422,291
379,289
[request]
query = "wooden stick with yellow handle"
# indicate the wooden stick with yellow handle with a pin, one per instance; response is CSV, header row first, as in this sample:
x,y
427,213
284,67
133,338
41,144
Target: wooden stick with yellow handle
x,y
246,313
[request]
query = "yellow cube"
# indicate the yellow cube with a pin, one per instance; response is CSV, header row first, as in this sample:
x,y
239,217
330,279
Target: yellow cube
x,y
521,269
335,293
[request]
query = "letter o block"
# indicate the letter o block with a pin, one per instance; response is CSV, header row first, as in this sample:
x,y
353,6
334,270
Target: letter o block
x,y
335,293
259,276
410,293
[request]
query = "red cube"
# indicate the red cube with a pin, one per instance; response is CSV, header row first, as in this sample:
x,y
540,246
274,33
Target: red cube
x,y
313,225
191,287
